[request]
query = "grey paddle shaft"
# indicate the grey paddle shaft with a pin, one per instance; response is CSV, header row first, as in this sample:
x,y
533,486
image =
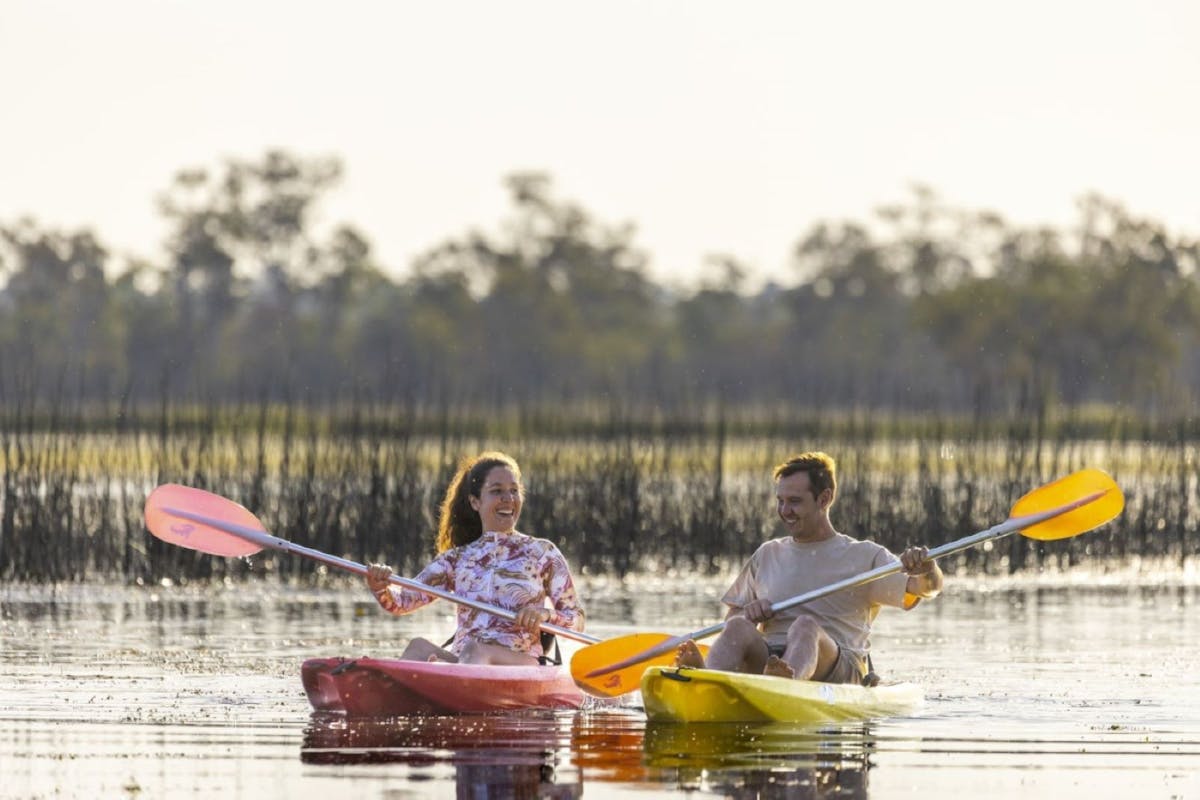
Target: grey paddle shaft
x,y
995,532
264,539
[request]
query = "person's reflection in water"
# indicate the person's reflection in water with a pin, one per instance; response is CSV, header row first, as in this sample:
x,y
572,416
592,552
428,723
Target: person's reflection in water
x,y
513,756
521,781
814,783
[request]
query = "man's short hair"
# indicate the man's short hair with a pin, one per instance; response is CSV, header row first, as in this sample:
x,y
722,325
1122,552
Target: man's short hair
x,y
821,469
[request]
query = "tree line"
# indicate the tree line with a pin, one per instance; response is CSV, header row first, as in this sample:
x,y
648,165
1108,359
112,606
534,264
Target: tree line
x,y
923,306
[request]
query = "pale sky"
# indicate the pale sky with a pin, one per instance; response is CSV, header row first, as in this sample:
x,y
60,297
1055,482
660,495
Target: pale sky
x,y
716,127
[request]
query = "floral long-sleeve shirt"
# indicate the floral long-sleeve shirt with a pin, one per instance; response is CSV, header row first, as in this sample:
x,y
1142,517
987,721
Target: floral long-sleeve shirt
x,y
510,570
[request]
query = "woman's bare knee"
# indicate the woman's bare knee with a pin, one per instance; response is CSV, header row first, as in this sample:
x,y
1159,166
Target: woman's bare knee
x,y
420,649
474,652
416,650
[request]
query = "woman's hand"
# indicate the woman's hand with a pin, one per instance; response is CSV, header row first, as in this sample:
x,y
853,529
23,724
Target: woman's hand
x,y
377,577
531,617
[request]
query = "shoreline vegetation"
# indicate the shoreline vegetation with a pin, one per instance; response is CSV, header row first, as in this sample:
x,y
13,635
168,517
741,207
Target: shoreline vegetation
x,y
622,495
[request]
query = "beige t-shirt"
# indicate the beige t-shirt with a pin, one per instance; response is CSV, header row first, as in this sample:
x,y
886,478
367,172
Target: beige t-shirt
x,y
784,568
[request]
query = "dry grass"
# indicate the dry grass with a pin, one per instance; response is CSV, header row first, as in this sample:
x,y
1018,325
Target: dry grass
x,y
618,495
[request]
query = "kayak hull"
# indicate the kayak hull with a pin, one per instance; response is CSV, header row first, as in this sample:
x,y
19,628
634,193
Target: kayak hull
x,y
703,695
391,687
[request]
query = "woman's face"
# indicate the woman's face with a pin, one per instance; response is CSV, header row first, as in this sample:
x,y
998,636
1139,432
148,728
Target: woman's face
x,y
499,501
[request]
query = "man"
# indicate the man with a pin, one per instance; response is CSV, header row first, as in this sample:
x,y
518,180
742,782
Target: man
x,y
826,639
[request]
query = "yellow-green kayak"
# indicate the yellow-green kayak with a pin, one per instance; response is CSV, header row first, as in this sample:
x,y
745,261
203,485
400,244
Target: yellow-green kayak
x,y
704,695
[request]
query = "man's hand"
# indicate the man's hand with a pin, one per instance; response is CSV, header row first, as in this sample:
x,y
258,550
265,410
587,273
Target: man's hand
x,y
924,575
758,611
916,561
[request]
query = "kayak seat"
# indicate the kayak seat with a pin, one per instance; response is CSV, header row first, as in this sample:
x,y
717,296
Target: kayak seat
x,y
871,679
548,640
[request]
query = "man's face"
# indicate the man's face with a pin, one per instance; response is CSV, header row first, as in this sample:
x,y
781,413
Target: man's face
x,y
800,511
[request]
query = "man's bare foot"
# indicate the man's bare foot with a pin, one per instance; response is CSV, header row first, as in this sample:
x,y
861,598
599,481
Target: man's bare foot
x,y
779,668
689,655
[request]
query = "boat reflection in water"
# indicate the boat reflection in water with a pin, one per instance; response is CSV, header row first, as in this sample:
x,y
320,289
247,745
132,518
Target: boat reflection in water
x,y
509,755
546,754
762,760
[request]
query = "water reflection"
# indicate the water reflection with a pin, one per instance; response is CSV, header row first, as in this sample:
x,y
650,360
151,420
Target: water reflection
x,y
544,754
511,755
763,761
1031,691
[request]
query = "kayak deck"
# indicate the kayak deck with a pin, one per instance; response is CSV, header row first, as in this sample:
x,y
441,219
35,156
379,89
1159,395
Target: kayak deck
x,y
391,687
702,695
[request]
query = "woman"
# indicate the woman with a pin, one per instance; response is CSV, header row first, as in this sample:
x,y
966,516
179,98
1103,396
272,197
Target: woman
x,y
482,556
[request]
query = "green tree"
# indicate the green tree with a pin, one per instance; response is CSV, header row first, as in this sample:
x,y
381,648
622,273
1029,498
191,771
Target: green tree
x,y
720,331
563,304
243,255
852,338
56,314
1144,300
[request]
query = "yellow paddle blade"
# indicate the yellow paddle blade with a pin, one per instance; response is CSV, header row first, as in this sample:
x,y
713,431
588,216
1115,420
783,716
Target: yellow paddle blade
x,y
1067,490
611,651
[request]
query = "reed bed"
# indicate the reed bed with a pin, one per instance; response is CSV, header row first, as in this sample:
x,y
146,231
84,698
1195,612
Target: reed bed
x,y
620,495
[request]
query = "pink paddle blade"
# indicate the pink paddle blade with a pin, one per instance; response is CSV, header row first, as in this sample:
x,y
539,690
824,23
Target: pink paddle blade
x,y
196,535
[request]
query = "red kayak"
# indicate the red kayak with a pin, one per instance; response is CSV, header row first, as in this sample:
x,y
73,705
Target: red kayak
x,y
389,687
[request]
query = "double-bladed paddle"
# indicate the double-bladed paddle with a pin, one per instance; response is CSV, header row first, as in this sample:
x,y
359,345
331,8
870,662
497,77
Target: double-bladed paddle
x,y
203,521
1067,507
209,523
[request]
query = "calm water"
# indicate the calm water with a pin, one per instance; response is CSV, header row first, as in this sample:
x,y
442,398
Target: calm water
x,y
1035,689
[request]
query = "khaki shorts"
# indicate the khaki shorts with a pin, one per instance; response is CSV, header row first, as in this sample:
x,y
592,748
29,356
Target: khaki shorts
x,y
848,668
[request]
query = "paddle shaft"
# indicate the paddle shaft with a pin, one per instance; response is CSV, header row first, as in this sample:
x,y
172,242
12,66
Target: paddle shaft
x,y
264,539
950,548
1011,525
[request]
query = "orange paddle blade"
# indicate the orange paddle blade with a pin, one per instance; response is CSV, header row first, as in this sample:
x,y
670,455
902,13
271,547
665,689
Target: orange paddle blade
x,y
196,535
610,651
1067,490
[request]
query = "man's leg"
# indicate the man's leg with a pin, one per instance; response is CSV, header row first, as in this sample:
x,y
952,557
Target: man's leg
x,y
739,648
810,650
